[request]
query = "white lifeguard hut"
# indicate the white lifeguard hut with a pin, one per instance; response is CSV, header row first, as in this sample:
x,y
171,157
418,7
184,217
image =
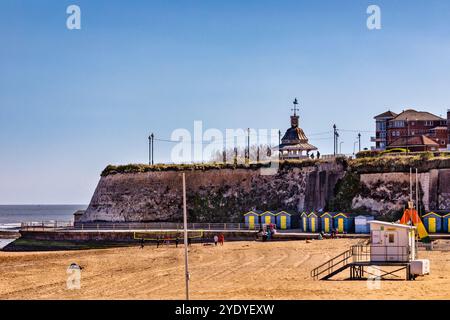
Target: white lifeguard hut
x,y
392,249
392,242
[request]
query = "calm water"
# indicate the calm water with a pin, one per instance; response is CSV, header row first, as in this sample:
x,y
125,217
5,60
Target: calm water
x,y
12,215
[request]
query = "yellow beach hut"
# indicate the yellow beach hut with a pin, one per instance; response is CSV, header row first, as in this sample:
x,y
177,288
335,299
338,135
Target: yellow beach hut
x,y
327,222
446,223
304,221
342,222
267,217
313,222
283,220
432,222
252,219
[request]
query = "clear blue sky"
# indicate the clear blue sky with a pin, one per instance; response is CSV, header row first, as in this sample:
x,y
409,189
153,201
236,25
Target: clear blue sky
x,y
72,102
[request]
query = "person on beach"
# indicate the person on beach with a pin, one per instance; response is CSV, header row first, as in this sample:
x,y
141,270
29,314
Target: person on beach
x,y
264,236
142,243
216,239
221,239
167,240
189,242
176,242
157,242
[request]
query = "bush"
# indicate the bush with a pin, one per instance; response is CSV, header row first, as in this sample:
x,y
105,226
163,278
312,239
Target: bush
x,y
426,156
368,154
395,150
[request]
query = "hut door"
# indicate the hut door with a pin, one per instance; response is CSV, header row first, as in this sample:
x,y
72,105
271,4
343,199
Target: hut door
x,y
313,224
431,224
283,222
251,222
267,219
304,224
341,225
393,251
327,224
448,225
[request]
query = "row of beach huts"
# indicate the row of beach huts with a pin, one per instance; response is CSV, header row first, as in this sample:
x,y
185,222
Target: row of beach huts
x,y
333,221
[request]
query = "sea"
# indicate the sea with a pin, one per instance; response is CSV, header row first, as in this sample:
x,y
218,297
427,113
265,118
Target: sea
x,y
12,215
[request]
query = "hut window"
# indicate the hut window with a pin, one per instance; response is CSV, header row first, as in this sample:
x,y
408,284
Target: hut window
x,y
391,238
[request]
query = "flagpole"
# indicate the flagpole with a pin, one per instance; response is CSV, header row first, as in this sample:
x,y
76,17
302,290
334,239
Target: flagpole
x,y
185,237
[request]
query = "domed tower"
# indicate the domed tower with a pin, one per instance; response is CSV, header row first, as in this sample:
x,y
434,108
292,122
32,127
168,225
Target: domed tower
x,y
294,144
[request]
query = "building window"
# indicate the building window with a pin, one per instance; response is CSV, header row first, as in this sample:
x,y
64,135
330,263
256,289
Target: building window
x,y
398,124
429,123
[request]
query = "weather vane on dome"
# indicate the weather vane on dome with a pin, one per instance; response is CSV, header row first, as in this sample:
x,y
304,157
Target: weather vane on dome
x,y
295,109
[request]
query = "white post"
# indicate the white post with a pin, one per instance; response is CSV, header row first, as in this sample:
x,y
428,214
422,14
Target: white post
x,y
417,191
185,237
410,184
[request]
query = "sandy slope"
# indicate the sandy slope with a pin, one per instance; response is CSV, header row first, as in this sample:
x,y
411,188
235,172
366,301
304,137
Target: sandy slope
x,y
239,270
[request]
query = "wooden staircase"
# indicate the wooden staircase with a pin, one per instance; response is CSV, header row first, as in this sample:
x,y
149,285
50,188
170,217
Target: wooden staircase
x,y
333,266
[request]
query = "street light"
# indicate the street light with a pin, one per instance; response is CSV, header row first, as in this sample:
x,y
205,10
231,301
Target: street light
x,y
151,137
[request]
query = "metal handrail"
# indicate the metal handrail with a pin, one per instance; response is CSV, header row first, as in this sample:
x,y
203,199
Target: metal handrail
x,y
64,225
360,253
330,264
364,253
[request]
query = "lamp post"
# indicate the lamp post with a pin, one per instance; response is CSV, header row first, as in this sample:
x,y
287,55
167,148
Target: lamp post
x,y
334,140
150,149
359,142
153,139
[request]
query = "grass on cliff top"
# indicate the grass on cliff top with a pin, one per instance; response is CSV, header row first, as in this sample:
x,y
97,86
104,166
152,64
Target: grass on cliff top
x,y
423,162
139,168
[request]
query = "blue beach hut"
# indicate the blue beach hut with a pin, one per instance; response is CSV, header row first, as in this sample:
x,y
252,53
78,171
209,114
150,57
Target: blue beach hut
x,y
251,219
283,219
432,222
267,217
361,225
313,222
304,222
342,222
446,223
326,222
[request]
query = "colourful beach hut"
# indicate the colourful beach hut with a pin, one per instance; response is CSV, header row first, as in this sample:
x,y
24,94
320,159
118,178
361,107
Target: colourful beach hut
x,y
342,222
326,222
267,217
432,222
283,219
251,219
313,222
361,223
446,223
304,222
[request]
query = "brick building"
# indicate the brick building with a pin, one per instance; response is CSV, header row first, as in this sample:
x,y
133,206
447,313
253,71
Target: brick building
x,y
413,130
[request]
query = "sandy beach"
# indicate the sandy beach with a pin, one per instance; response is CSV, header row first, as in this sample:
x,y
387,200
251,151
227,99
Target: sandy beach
x,y
238,270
